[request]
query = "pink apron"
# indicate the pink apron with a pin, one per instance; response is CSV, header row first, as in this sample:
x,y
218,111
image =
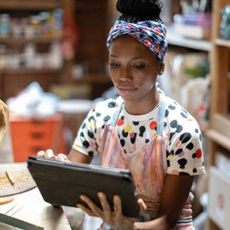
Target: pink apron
x,y
147,166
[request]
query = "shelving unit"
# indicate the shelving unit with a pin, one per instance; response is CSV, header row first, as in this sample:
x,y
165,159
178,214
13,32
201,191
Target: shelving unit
x,y
218,132
30,5
91,51
21,41
13,80
181,45
220,120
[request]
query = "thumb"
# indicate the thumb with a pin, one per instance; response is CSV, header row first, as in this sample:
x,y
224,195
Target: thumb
x,y
142,206
142,225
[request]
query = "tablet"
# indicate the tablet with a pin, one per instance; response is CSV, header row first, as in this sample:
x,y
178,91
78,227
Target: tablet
x,y
62,183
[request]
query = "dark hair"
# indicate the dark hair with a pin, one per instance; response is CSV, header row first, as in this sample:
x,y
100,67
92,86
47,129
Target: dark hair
x,y
139,10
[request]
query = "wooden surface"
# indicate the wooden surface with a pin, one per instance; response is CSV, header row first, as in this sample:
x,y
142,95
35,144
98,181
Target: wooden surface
x,y
31,208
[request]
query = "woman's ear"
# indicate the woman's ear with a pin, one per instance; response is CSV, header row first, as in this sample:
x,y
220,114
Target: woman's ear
x,y
161,68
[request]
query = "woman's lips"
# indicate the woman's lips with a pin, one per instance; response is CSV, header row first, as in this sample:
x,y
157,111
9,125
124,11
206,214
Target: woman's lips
x,y
126,90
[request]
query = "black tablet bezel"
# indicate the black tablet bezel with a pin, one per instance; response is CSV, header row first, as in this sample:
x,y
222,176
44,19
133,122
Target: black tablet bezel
x,y
62,183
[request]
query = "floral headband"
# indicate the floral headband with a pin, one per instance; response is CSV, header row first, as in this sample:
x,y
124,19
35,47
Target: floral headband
x,y
151,34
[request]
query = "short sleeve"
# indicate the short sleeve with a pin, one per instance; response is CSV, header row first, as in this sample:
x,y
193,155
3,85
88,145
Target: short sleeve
x,y
89,137
85,141
185,153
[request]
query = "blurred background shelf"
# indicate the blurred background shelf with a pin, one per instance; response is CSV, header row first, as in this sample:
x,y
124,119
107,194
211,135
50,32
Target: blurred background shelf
x,y
16,41
179,40
30,4
219,138
222,42
21,71
218,132
93,78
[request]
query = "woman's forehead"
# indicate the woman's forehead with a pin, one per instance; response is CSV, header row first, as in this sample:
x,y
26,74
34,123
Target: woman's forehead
x,y
127,45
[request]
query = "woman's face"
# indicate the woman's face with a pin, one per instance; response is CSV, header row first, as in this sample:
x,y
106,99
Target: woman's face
x,y
133,69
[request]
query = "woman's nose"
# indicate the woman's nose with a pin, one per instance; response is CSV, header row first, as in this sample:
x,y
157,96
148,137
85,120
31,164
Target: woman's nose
x,y
125,75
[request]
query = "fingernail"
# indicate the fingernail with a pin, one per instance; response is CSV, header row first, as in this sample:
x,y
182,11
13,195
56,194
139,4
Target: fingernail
x,y
100,194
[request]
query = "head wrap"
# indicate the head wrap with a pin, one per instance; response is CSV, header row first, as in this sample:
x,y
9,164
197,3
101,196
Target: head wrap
x,y
150,33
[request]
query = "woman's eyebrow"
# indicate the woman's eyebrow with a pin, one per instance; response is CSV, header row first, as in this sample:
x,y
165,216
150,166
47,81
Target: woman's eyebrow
x,y
134,58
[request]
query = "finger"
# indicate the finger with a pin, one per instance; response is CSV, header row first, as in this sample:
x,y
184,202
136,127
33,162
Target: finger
x,y
105,207
143,225
86,210
62,157
94,208
117,207
142,206
50,154
41,154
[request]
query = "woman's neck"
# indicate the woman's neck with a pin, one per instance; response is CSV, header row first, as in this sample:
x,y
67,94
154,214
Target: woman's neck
x,y
143,106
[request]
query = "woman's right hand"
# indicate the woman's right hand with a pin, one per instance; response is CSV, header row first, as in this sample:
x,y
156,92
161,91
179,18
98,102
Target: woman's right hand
x,y
49,154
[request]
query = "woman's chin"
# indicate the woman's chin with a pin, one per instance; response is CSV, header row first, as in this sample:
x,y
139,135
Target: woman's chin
x,y
127,94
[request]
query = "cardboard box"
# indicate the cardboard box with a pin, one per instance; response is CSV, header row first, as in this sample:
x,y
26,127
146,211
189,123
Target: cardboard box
x,y
219,198
192,31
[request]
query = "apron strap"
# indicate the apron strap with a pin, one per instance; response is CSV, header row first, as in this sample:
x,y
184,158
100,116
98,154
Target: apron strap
x,y
116,115
161,116
106,131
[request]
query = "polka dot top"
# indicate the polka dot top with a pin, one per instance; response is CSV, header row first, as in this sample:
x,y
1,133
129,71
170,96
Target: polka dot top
x,y
184,155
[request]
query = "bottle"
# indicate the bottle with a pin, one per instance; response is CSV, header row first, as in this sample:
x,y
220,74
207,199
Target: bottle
x,y
4,25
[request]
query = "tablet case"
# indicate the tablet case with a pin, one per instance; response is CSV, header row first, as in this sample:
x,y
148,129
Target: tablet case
x,y
62,183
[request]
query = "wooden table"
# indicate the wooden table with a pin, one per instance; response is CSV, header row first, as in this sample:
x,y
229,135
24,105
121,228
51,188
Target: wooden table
x,y
30,210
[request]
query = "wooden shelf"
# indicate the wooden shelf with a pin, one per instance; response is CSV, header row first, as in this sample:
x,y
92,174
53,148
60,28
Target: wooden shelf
x,y
18,41
93,78
30,4
178,40
221,123
219,138
222,42
13,80
21,71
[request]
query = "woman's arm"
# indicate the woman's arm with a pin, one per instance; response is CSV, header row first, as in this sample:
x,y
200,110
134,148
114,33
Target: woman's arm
x,y
175,193
76,156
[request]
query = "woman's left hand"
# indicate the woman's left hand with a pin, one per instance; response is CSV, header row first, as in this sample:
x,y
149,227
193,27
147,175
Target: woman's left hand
x,y
157,224
114,218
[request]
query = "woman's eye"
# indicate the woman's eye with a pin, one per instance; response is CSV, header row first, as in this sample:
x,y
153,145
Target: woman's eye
x,y
139,66
113,65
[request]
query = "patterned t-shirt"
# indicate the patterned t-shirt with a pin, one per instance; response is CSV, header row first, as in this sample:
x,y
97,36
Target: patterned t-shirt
x,y
182,134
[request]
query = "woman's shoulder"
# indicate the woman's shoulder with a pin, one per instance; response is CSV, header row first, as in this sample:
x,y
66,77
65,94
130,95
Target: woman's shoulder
x,y
175,113
103,111
108,104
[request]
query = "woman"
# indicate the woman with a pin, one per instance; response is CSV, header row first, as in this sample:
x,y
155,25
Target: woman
x,y
143,129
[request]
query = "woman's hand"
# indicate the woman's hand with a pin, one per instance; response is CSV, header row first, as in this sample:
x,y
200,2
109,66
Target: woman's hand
x,y
157,224
49,154
114,217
